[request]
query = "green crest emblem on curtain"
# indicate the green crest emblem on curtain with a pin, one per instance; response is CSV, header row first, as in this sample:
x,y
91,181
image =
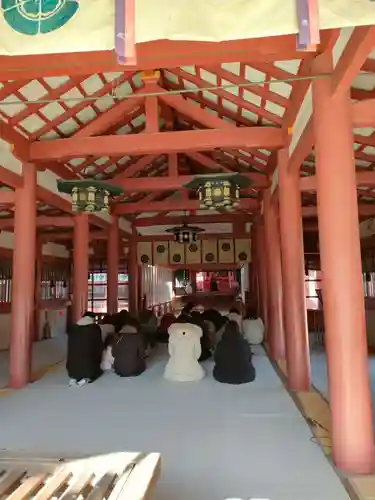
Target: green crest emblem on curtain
x,y
34,17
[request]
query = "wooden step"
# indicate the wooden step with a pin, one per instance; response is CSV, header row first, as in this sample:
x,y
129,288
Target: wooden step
x,y
129,476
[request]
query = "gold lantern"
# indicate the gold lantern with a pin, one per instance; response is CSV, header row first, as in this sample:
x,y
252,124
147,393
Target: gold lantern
x,y
89,195
219,190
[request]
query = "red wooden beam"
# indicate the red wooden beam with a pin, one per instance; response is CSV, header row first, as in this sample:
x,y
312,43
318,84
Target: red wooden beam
x,y
363,113
200,236
145,184
17,142
224,94
363,177
361,43
111,117
349,65
7,197
165,142
174,205
135,168
41,221
197,114
68,235
10,178
150,55
364,210
164,220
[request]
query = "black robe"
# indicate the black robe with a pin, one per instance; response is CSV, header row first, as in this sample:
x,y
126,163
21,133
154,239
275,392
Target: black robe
x,y
129,354
85,349
233,363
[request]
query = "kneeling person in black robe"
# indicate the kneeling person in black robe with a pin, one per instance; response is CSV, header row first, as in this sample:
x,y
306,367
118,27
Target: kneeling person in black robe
x,y
233,363
85,349
129,352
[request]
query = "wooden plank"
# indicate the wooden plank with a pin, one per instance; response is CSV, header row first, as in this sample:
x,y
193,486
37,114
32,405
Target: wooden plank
x,y
28,487
54,484
101,489
79,486
142,479
9,479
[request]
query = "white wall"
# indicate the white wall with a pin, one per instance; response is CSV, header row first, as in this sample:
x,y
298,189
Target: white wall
x,y
156,284
53,249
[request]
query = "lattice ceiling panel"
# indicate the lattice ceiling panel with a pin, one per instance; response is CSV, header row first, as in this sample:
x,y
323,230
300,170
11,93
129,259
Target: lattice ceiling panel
x,y
59,107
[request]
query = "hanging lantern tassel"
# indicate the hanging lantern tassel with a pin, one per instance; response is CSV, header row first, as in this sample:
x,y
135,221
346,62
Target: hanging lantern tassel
x,y
125,32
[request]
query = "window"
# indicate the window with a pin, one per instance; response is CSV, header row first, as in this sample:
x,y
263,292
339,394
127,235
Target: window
x,y
98,291
313,283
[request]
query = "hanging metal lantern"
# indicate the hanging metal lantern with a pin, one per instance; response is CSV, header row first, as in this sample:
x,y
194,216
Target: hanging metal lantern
x,y
89,195
219,190
185,233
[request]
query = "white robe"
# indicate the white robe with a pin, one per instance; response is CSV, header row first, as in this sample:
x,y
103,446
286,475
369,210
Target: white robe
x,y
253,330
184,350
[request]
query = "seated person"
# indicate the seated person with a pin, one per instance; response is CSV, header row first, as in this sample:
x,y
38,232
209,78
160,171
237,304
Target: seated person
x,y
120,319
165,323
184,350
129,352
149,325
233,358
221,328
85,348
187,310
253,327
234,315
196,319
106,325
214,287
107,357
214,316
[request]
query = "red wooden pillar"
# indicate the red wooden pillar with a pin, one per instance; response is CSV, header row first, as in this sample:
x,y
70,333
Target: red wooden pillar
x,y
344,312
276,339
113,256
140,304
23,279
293,274
253,271
262,263
133,276
38,283
80,265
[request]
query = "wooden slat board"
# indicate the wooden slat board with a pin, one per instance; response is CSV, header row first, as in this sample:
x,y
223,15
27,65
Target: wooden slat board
x,y
116,476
